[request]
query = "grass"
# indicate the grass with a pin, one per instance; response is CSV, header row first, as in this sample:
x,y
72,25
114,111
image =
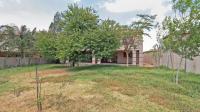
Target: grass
x,y
102,88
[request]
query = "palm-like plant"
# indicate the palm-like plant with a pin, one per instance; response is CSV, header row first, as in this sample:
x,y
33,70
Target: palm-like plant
x,y
15,39
7,38
25,40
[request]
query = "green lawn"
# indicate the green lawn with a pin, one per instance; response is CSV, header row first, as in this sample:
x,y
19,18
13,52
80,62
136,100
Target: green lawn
x,y
102,89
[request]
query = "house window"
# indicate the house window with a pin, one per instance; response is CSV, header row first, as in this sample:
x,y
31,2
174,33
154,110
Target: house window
x,y
130,54
124,54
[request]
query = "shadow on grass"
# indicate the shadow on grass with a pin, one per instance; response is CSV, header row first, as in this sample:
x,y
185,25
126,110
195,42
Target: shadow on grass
x,y
94,67
57,66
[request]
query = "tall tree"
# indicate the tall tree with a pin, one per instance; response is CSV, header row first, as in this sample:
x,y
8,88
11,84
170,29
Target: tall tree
x,y
129,41
55,25
76,22
104,40
25,40
183,30
46,45
7,38
133,35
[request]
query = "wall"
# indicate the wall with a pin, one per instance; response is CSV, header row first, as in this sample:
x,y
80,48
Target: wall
x,y
121,59
15,61
172,60
149,59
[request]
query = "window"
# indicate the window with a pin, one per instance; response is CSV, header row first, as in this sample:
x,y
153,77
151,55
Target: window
x,y
130,54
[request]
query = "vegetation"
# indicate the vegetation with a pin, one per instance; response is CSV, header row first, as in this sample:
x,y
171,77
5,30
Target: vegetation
x,y
132,35
77,33
182,31
101,88
6,38
45,45
17,39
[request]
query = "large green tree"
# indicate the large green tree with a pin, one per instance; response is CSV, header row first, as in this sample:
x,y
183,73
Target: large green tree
x,y
46,45
104,40
76,22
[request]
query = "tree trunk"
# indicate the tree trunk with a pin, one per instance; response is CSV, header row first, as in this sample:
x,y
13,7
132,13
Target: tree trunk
x,y
73,64
93,58
168,59
22,53
171,60
178,69
38,90
185,65
127,58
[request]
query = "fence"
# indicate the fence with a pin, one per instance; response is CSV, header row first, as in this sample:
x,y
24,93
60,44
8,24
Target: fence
x,y
172,60
6,62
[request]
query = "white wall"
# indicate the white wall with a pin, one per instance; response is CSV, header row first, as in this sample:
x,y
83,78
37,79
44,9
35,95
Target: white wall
x,y
191,65
15,61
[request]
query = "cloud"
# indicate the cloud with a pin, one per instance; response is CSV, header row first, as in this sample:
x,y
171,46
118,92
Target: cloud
x,y
18,1
39,13
158,7
76,1
1,4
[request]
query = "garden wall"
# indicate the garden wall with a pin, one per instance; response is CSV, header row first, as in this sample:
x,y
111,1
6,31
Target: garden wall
x,y
6,62
172,60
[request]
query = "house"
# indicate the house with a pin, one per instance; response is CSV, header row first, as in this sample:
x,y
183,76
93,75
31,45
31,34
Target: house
x,y
119,57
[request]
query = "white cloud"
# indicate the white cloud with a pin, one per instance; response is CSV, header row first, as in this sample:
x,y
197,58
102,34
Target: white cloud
x,y
18,1
1,4
76,1
155,6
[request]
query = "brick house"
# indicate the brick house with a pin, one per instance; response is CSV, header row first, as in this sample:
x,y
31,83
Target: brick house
x,y
119,57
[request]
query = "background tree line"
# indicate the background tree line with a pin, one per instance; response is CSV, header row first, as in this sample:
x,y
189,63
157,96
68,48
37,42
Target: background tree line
x,y
76,34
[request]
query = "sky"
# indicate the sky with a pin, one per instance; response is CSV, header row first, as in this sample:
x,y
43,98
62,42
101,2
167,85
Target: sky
x,y
40,13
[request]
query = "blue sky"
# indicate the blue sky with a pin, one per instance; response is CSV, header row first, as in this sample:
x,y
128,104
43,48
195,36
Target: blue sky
x,y
39,13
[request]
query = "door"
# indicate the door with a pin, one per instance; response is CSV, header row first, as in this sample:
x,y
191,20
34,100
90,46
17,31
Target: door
x,y
137,57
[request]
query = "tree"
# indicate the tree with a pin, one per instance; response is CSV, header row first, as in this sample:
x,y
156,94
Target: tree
x,y
183,30
25,40
55,25
46,45
133,35
7,38
14,38
104,40
76,23
128,41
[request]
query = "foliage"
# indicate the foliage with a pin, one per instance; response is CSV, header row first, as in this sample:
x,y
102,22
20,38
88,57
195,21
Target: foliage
x,y
17,39
104,40
132,35
46,45
25,40
7,38
76,22
55,25
183,30
145,23
82,34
